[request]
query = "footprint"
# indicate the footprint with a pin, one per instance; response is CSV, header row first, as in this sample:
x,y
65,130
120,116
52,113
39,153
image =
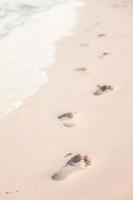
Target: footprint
x,y
84,45
82,69
8,192
74,164
101,35
68,119
97,23
101,89
119,5
104,54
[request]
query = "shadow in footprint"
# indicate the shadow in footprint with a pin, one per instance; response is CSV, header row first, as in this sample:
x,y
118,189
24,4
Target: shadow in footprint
x,y
74,164
101,35
101,89
68,154
81,69
105,54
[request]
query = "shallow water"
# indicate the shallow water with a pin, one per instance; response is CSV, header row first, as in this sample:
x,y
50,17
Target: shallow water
x,y
28,32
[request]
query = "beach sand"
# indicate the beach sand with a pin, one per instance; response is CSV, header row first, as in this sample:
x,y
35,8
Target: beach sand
x,y
92,79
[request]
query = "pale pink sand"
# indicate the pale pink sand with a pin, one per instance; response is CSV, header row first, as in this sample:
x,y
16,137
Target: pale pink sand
x,y
33,142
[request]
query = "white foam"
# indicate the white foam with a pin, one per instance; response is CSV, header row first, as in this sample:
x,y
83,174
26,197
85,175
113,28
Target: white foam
x,y
29,49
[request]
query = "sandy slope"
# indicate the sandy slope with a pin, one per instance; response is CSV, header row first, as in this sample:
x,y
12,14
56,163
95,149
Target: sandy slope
x,y
33,142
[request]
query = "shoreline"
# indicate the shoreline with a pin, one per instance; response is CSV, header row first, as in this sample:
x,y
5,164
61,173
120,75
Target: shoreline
x,y
34,142
29,54
48,80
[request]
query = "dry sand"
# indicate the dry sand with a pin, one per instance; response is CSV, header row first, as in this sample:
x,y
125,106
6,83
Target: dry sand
x,y
34,142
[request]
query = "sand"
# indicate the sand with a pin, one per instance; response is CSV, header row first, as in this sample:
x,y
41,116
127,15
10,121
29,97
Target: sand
x,y
34,142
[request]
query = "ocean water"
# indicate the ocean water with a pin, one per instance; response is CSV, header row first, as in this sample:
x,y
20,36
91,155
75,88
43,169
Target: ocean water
x,y
29,30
